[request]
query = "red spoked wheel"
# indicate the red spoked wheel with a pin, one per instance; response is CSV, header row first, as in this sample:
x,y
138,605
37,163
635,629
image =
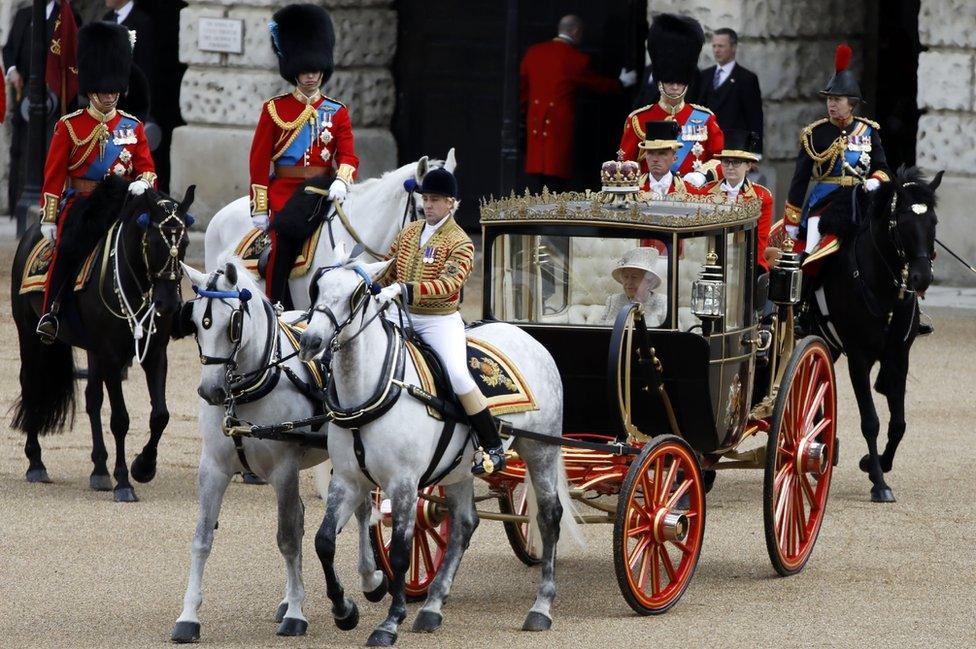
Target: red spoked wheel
x,y
430,537
799,456
514,501
657,536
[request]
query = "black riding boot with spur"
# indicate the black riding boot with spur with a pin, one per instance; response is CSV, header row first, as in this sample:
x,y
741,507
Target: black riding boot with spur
x,y
492,452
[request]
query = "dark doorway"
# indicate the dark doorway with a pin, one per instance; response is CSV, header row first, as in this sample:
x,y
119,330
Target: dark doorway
x,y
450,74
896,47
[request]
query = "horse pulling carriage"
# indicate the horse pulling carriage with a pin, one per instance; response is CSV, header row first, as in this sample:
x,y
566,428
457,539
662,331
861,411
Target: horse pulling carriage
x,y
649,407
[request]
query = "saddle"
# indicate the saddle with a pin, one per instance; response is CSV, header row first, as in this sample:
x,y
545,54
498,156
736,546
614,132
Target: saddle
x,y
39,263
254,248
493,372
829,244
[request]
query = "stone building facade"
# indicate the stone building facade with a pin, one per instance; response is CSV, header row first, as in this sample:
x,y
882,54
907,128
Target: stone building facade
x,y
222,93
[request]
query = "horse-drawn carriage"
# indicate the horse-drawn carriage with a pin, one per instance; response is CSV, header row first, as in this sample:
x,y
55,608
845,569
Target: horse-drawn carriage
x,y
650,407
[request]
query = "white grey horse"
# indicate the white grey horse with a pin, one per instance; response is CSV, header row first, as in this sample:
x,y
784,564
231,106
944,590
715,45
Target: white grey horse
x,y
375,208
400,444
241,346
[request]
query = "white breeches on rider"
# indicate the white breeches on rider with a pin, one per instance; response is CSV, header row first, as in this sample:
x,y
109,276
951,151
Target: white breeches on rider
x,y
445,333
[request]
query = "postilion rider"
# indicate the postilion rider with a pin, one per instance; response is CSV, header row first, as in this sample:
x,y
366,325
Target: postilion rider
x,y
431,260
658,152
304,134
86,147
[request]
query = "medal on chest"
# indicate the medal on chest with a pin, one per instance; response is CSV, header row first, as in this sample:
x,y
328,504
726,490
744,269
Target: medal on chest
x,y
325,135
123,166
124,135
429,256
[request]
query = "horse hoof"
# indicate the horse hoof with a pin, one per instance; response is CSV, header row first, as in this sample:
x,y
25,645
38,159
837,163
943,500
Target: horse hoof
x,y
882,495
185,632
280,613
427,622
381,638
351,619
38,475
252,478
536,621
292,626
126,495
142,469
100,482
378,593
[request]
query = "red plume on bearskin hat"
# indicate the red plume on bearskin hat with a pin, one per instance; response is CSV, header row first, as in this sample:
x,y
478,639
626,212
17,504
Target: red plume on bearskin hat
x,y
674,44
303,39
104,58
843,83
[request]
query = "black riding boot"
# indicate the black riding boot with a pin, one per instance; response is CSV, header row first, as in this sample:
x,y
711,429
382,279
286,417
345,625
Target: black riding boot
x,y
48,326
286,251
493,455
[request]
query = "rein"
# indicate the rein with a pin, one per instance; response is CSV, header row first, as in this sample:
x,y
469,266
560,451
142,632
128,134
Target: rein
x,y
338,210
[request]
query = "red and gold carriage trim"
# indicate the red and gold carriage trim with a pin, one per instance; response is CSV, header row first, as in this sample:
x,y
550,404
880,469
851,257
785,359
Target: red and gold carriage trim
x,y
653,409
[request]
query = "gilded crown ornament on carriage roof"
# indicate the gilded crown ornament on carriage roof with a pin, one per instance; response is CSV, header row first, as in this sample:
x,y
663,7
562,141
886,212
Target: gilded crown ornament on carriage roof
x,y
619,180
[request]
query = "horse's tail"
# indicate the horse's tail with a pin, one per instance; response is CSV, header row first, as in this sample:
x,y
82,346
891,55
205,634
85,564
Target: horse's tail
x,y
568,526
47,385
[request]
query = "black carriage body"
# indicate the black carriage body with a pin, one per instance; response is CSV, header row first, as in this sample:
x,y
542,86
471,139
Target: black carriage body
x,y
532,253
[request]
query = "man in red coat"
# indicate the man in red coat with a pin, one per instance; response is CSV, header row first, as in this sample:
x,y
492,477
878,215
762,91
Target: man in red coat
x,y
741,151
674,43
549,77
304,134
87,146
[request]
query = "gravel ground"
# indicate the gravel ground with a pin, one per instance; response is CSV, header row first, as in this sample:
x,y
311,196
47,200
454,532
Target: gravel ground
x,y
77,569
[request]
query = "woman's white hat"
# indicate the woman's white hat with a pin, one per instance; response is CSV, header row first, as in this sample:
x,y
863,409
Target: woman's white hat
x,y
645,259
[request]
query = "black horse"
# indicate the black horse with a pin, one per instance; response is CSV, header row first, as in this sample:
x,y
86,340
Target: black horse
x,y
870,290
125,309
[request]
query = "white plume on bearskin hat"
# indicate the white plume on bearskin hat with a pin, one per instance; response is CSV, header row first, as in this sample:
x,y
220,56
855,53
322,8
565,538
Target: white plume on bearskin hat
x,y
104,58
674,44
303,39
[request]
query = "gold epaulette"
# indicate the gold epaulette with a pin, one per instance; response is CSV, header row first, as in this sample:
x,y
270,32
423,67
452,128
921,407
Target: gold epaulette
x,y
701,108
808,129
72,115
130,116
635,123
870,122
335,101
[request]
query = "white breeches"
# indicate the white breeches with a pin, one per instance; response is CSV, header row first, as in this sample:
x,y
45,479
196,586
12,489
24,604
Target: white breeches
x,y
813,233
445,333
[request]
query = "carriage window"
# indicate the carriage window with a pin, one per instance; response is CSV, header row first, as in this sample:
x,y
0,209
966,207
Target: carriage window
x,y
735,279
691,258
576,280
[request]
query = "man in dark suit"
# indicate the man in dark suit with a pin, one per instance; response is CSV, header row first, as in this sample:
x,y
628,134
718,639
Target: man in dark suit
x,y
730,90
16,63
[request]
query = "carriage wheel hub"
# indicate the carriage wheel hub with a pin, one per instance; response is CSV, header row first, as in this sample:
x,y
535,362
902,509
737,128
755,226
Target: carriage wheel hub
x,y
669,526
812,457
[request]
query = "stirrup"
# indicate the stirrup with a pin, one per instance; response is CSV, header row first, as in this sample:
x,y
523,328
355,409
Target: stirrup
x,y
47,328
491,460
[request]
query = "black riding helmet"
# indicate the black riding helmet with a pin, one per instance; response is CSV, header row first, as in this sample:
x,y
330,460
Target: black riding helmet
x,y
441,182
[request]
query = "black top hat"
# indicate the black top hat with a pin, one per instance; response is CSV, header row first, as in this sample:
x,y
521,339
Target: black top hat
x,y
104,58
440,182
303,38
661,135
843,83
740,144
674,44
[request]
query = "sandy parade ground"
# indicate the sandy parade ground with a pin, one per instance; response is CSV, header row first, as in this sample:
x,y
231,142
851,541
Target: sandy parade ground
x,y
78,570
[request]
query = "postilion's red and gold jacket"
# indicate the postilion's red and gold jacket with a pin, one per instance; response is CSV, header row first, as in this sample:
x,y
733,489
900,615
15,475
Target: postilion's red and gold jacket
x,y
303,137
698,127
433,273
749,191
86,147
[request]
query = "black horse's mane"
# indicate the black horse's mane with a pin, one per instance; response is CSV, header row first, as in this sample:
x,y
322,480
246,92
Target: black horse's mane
x,y
91,217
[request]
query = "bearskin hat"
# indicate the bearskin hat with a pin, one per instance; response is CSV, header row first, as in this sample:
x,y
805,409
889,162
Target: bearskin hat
x,y
674,44
104,58
303,39
843,83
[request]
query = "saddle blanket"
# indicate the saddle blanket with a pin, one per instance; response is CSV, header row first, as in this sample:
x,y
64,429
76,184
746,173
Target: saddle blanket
x,y
39,262
829,244
496,376
252,246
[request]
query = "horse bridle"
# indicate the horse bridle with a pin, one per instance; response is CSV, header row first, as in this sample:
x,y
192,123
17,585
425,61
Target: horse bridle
x,y
235,325
894,236
358,302
172,236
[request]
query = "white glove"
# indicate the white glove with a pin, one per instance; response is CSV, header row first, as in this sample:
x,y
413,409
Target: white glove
x,y
338,190
138,187
49,231
627,77
696,179
388,294
260,221
871,184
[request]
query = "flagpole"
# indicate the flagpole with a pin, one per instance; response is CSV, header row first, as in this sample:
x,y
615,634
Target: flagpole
x,y
30,196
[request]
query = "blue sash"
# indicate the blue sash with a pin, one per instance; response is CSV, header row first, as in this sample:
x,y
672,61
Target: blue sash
x,y
821,190
100,167
303,142
697,117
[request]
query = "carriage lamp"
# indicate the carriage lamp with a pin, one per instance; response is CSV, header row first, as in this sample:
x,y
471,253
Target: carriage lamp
x,y
785,276
708,293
